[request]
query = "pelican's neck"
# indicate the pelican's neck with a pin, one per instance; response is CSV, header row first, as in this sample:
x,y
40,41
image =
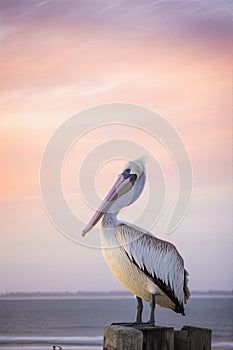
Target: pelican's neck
x,y
110,217
109,220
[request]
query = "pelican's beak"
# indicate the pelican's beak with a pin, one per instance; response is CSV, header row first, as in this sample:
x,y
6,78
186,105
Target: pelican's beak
x,y
120,187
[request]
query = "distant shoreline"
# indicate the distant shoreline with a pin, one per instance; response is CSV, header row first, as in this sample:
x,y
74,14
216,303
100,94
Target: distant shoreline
x,y
99,295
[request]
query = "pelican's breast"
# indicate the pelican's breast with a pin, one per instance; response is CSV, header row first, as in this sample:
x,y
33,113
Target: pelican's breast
x,y
123,269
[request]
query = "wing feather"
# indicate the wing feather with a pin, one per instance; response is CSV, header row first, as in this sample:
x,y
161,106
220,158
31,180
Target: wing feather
x,y
159,260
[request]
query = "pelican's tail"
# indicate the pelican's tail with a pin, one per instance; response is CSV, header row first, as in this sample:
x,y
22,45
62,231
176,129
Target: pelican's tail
x,y
186,288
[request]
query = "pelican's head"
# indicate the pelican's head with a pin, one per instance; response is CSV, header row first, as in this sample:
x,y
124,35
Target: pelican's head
x,y
126,190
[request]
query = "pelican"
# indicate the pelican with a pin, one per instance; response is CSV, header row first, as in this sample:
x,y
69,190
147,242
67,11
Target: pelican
x,y
150,268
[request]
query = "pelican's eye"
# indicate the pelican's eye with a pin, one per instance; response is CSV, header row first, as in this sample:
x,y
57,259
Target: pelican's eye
x,y
133,178
126,173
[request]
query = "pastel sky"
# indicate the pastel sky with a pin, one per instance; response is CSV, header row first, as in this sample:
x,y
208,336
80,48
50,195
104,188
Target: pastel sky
x,y
60,57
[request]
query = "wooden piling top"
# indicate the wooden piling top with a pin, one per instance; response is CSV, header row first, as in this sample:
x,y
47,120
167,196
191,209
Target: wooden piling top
x,y
130,336
117,337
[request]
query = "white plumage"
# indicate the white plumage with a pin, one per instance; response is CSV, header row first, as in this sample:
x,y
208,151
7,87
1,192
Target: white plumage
x,y
150,268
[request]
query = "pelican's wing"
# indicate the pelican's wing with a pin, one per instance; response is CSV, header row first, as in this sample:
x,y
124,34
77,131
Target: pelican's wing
x,y
158,259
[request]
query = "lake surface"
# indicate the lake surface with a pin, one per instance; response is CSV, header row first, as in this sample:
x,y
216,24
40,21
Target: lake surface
x,y
79,323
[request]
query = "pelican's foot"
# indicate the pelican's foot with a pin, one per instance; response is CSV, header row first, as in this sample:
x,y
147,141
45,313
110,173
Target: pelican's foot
x,y
136,323
150,323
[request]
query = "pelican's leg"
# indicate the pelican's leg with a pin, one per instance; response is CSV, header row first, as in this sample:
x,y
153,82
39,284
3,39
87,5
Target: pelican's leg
x,y
139,310
152,309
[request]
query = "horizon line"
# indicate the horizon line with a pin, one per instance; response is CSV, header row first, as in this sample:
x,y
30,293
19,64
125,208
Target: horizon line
x,y
85,292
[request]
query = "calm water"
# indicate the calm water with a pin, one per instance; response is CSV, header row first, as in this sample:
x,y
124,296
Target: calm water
x,y
79,324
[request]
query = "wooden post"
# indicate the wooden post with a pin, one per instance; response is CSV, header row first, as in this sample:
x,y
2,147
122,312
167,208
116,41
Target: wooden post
x,y
145,337
122,338
181,340
192,338
156,337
